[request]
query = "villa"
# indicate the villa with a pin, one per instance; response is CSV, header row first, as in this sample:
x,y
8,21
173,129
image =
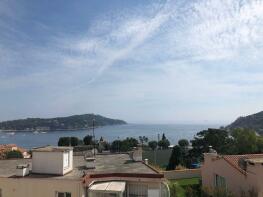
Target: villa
x,y
238,174
55,172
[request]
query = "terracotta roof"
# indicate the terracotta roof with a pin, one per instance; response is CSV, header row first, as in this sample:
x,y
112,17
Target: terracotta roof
x,y
234,160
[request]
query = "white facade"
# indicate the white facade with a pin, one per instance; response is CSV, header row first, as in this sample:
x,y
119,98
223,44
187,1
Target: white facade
x,y
58,162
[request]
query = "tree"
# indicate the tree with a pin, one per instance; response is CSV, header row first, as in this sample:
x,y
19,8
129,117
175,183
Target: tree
x,y
74,141
245,141
115,146
64,141
175,158
143,139
14,154
217,138
163,137
124,145
153,145
164,144
183,143
68,141
88,140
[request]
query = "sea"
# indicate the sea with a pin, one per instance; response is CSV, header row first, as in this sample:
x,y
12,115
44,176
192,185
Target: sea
x,y
173,132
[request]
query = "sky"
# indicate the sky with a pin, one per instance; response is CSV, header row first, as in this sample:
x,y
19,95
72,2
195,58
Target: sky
x,y
150,61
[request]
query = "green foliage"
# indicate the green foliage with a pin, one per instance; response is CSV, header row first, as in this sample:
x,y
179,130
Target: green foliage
x,y
69,141
88,140
14,154
185,188
173,187
153,144
124,145
164,144
245,141
183,143
143,139
64,123
175,158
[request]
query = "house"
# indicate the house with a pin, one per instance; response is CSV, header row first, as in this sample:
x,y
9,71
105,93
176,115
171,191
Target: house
x,y
5,148
56,172
234,173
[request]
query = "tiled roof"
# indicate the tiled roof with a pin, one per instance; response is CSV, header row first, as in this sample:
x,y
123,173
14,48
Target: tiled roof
x,y
233,160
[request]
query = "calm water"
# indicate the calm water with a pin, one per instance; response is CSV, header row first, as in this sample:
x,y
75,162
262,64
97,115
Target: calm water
x,y
110,133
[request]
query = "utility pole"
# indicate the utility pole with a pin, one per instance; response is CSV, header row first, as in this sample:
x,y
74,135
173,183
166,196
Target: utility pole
x,y
119,144
94,141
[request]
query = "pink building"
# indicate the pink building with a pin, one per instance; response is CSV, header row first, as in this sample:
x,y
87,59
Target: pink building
x,y
235,173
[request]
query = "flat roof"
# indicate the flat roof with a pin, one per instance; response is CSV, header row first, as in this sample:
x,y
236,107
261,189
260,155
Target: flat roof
x,y
109,186
255,160
111,163
52,149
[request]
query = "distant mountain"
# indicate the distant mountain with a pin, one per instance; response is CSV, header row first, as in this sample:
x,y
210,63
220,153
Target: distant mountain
x,y
75,122
254,121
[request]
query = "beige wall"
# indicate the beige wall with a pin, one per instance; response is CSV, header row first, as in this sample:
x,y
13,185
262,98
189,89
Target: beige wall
x,y
235,180
33,187
182,174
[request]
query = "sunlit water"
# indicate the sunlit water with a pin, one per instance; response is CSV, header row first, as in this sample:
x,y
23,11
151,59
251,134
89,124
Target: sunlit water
x,y
173,132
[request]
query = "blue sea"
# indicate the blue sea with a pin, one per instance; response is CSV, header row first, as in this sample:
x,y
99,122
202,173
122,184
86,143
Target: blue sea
x,y
173,132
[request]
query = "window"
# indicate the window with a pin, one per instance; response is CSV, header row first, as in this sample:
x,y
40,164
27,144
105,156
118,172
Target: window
x,y
220,181
138,190
63,194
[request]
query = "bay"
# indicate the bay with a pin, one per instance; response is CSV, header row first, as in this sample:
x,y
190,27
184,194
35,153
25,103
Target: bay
x,y
173,132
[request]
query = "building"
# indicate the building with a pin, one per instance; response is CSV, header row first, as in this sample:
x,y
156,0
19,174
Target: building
x,y
234,173
5,148
55,172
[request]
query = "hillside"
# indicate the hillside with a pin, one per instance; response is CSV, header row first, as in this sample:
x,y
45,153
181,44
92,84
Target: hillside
x,y
60,123
254,121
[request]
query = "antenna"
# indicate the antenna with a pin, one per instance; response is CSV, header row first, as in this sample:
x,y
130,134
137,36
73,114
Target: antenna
x,y
94,141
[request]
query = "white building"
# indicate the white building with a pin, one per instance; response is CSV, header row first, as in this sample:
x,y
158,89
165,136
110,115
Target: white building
x,y
55,172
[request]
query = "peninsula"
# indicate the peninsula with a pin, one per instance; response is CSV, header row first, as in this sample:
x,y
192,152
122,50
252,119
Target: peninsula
x,y
76,122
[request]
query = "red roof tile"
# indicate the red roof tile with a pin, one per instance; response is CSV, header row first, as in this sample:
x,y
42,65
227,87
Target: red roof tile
x,y
234,160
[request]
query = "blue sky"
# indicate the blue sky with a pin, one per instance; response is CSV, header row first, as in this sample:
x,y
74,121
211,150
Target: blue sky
x,y
145,61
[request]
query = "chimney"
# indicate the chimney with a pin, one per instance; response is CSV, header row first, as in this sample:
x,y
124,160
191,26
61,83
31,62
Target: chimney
x,y
211,154
22,170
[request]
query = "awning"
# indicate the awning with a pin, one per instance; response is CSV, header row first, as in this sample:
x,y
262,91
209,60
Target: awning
x,y
111,186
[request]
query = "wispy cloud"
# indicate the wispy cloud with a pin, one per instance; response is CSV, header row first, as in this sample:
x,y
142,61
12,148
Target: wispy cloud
x,y
158,57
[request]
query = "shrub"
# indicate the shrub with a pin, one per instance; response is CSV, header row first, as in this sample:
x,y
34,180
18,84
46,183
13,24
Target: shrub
x,y
14,154
88,140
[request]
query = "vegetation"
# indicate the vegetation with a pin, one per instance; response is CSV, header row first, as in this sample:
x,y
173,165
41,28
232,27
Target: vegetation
x,y
60,123
143,139
123,145
237,141
153,144
164,143
185,187
87,140
69,141
14,154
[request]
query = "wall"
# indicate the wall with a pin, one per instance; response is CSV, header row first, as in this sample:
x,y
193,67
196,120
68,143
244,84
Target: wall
x,y
47,162
157,157
235,180
34,187
182,174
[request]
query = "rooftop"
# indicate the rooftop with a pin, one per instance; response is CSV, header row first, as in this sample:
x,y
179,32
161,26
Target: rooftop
x,y
234,160
112,163
52,149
